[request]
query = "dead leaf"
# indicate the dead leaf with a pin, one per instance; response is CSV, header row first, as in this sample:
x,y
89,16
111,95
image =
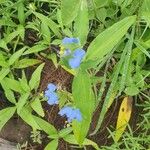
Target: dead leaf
x,y
123,116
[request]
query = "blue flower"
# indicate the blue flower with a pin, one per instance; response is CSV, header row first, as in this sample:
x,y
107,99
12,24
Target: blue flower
x,y
52,98
51,87
78,115
79,53
67,40
71,113
51,95
75,61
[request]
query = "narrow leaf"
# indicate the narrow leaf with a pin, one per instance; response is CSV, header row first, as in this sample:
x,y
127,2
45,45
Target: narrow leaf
x,y
24,63
22,101
35,49
16,56
52,25
35,78
37,107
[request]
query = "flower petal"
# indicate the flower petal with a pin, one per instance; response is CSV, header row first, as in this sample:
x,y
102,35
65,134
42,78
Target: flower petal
x,y
74,62
67,40
79,53
51,87
52,98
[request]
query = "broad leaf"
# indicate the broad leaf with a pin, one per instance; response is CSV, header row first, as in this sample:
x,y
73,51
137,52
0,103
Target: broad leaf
x,y
46,127
70,138
106,40
3,73
84,100
5,115
81,25
52,145
69,10
26,115
123,116
64,132
8,92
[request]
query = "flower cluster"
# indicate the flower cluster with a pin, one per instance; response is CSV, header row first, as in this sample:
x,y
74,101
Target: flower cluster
x,y
51,94
71,113
76,56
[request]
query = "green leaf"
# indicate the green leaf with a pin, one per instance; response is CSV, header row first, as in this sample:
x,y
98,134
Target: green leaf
x,y
21,14
145,11
37,107
126,65
12,84
101,14
52,145
24,83
64,132
70,138
100,3
45,32
16,56
3,62
8,93
106,40
3,73
14,34
7,22
46,127
35,49
132,90
24,63
143,49
26,115
81,25
69,10
3,44
52,25
35,78
84,100
22,101
5,115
